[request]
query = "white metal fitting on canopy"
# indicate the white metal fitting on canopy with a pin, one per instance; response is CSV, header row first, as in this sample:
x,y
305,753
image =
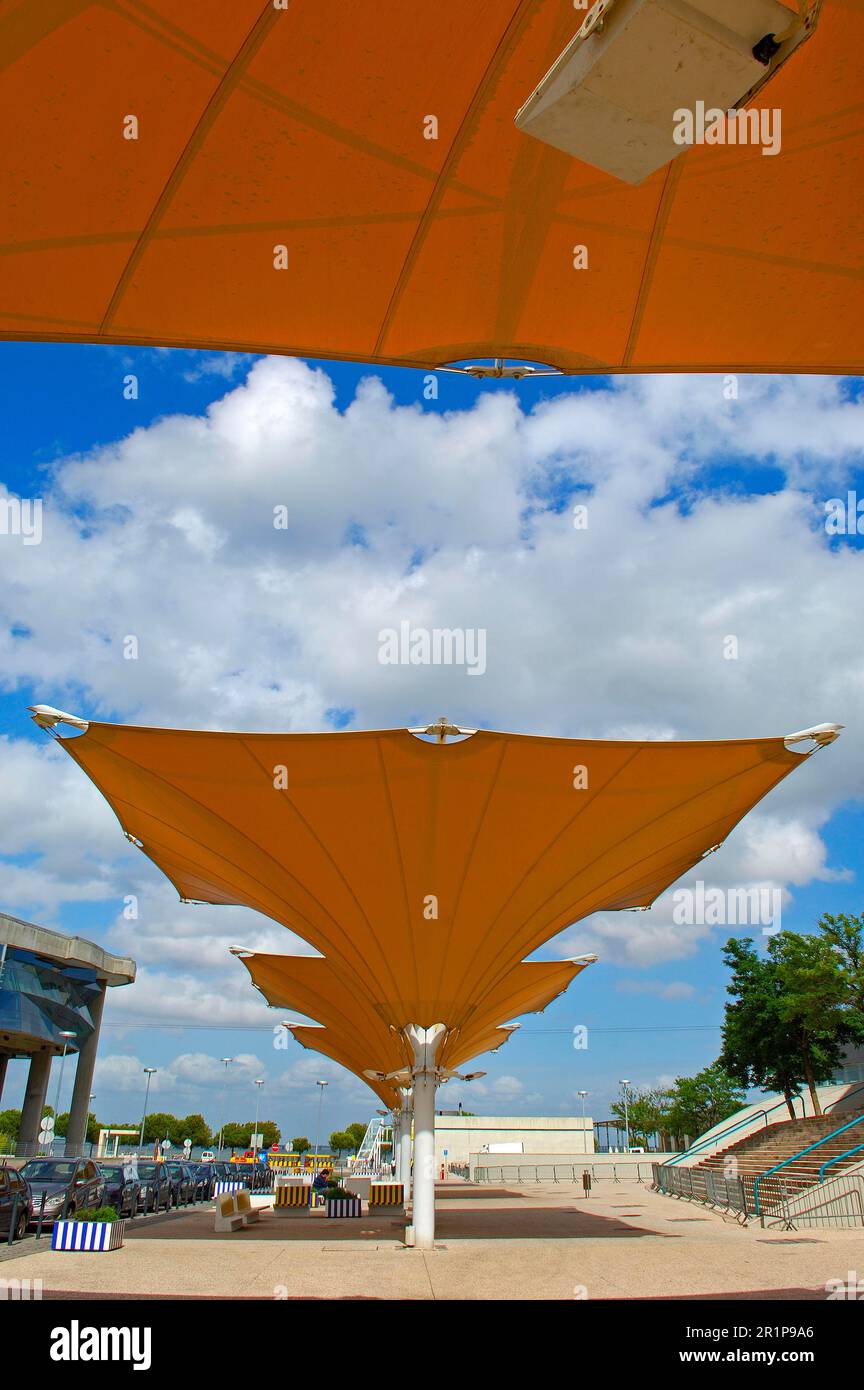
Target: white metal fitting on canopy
x,y
47,717
820,735
442,729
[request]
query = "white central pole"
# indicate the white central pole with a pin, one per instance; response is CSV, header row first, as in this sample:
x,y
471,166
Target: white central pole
x,y
405,1144
425,1042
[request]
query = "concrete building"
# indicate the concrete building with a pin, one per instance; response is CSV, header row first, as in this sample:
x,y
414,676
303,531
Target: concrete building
x,y
457,1136
851,1069
52,993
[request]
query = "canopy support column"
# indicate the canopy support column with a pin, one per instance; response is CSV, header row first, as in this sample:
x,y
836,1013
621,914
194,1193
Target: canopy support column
x,y
397,1148
425,1042
405,1144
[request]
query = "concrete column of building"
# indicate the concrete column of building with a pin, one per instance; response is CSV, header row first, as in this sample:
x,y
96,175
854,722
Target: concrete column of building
x,y
405,1144
425,1042
34,1103
80,1108
397,1146
4,1062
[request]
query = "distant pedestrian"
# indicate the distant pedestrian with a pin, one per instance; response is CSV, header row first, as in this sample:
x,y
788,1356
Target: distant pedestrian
x,y
586,1182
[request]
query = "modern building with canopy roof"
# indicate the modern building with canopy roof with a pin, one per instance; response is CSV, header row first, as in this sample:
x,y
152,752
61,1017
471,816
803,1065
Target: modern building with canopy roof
x,y
423,870
347,181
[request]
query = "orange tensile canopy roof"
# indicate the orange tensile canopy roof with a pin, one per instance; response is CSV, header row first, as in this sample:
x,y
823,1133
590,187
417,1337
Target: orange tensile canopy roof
x,y
303,126
425,873
353,1029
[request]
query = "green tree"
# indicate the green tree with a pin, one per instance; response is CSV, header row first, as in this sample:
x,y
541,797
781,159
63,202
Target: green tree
x,y
10,1123
340,1141
270,1131
646,1112
160,1125
355,1132
195,1127
758,1050
698,1103
813,1003
238,1135
300,1146
92,1132
845,934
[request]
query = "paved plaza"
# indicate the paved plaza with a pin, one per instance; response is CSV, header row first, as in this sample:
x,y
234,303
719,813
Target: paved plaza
x,y
533,1242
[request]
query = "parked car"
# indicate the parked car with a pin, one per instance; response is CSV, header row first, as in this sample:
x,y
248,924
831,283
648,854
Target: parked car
x,y
207,1155
205,1181
122,1185
158,1192
16,1203
182,1181
69,1185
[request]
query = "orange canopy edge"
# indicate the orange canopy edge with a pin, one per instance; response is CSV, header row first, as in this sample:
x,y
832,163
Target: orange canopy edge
x,y
425,873
260,127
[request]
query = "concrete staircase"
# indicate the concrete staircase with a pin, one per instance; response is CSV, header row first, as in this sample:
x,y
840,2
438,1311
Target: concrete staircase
x,y
763,1150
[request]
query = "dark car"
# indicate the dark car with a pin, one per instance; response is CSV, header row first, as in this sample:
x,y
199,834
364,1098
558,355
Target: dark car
x,y
122,1185
205,1181
156,1186
68,1185
244,1172
16,1203
182,1181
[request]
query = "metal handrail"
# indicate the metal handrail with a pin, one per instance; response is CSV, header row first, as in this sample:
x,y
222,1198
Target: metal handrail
x,y
837,1159
848,1096
810,1147
702,1143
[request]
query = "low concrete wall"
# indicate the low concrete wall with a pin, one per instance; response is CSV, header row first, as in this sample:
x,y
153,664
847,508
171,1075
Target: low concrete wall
x,y
561,1167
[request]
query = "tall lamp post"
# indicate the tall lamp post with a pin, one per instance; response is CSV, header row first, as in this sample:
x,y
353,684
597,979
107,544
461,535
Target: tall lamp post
x,y
258,1085
148,1072
65,1034
322,1084
624,1085
226,1062
583,1094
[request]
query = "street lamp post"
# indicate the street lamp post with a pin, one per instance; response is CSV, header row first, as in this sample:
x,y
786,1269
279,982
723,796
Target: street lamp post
x,y
624,1085
583,1094
148,1072
322,1084
258,1085
65,1034
226,1062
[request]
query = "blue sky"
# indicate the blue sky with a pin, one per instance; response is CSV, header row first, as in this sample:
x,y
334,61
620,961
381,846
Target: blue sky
x,y
706,519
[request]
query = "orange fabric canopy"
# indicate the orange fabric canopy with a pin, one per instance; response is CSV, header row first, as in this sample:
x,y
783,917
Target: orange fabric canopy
x,y
353,1029
303,127
424,872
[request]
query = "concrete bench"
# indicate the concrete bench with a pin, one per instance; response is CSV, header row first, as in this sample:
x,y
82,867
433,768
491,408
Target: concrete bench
x,y
244,1206
386,1196
228,1218
292,1201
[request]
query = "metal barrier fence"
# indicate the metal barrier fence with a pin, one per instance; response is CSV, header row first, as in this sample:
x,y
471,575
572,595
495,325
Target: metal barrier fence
x,y
521,1173
837,1203
701,1185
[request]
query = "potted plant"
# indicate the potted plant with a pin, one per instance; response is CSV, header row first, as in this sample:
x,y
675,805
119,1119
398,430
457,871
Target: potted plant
x,y
339,1203
98,1228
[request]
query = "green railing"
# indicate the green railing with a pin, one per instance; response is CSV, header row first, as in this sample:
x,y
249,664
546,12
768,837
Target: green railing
x,y
706,1143
794,1157
739,1124
848,1154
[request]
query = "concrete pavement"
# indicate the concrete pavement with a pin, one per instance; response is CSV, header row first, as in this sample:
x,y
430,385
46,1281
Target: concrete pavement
x,y
537,1242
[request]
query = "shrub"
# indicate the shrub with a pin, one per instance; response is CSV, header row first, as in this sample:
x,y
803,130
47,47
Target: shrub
x,y
97,1214
331,1193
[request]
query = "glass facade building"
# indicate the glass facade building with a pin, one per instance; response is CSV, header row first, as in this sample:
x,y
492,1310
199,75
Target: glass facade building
x,y
42,999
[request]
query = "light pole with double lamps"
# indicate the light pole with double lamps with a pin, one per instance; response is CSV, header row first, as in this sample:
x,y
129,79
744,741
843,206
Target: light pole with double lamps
x,y
148,1072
